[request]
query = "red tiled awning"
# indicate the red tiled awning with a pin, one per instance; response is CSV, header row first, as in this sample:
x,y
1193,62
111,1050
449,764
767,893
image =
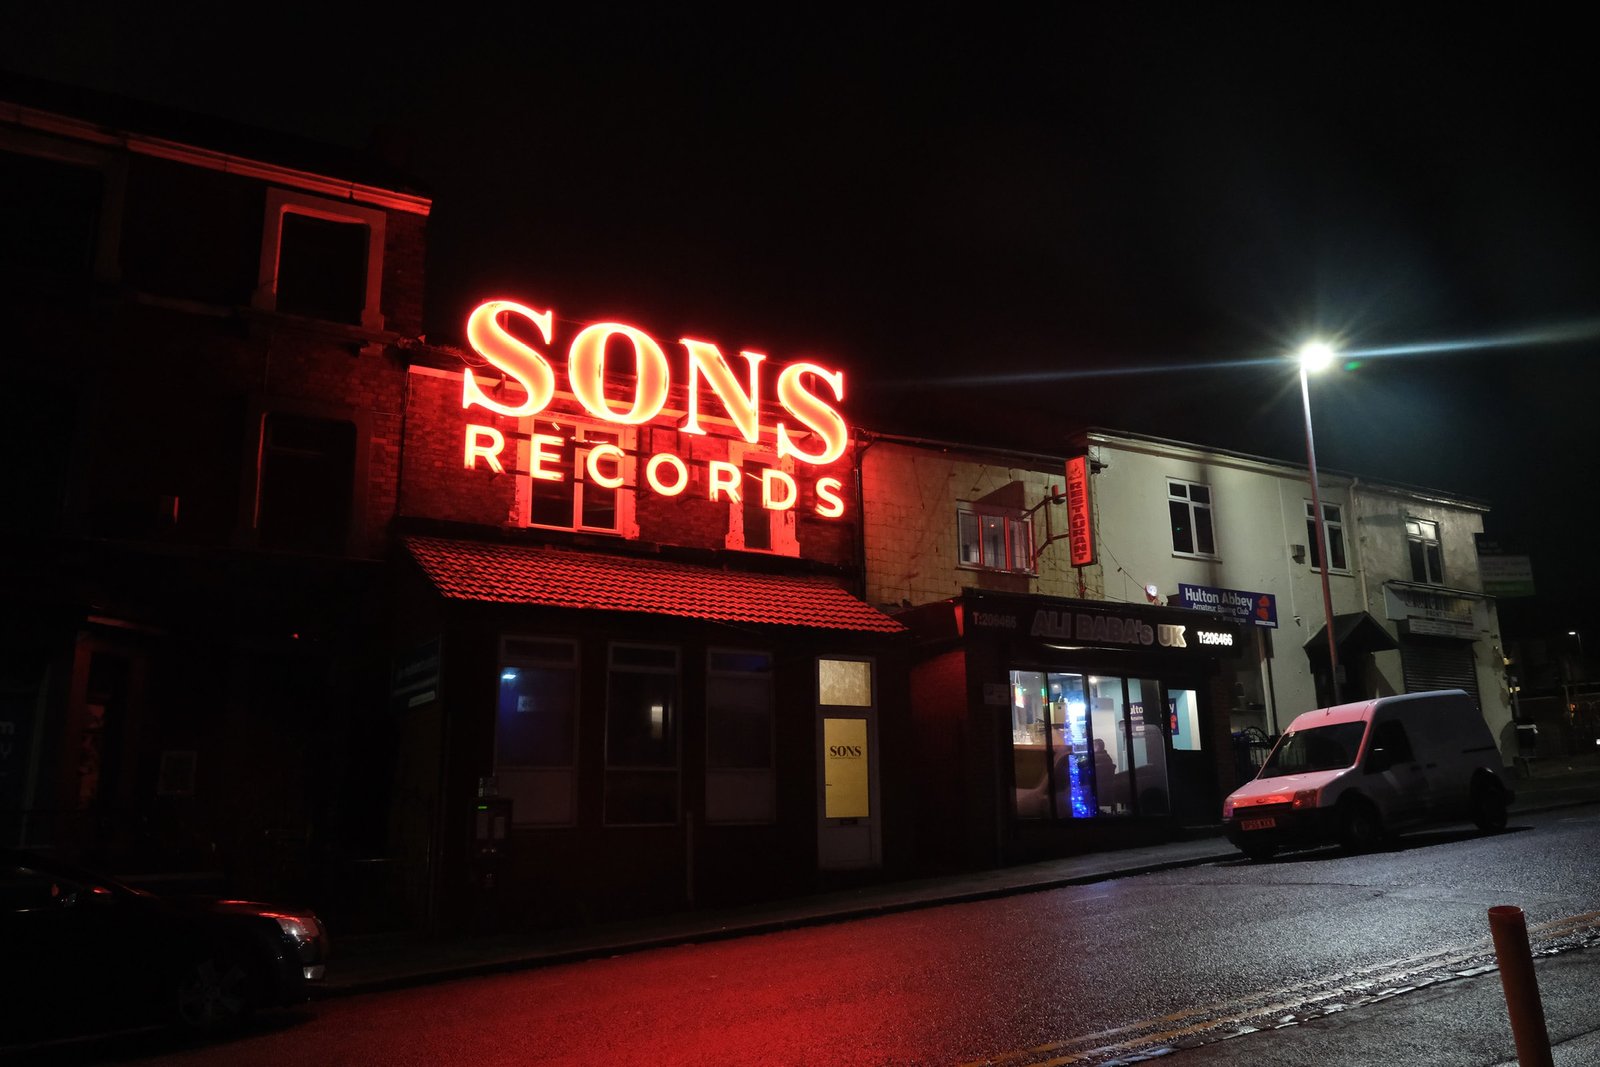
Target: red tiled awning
x,y
561,578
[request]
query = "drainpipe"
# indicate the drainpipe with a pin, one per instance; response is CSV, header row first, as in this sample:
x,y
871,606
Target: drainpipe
x,y
861,519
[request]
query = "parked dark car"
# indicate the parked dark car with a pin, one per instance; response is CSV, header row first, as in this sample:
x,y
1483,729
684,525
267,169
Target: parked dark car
x,y
86,954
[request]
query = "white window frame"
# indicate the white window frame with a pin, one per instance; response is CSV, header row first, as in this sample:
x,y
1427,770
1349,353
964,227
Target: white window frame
x,y
543,774
281,202
1417,534
1188,501
1016,562
627,438
1331,528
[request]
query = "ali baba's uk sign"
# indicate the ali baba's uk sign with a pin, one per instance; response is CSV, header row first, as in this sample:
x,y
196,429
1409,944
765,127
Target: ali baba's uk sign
x,y
810,431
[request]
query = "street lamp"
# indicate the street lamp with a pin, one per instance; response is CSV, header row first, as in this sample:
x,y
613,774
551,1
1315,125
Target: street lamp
x,y
1318,356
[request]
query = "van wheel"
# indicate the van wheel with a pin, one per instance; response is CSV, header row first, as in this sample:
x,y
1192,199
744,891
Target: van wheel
x,y
1259,853
1360,829
1488,806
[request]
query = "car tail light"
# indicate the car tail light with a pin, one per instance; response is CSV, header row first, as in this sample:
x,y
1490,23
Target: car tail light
x,y
1227,809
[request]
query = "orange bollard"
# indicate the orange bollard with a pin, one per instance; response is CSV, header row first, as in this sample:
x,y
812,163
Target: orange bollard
x,y
1521,985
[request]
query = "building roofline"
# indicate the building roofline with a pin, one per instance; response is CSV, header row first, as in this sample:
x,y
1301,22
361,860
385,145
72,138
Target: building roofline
x,y
113,136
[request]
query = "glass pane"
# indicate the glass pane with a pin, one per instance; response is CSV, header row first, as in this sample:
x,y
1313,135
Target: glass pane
x,y
640,656
641,720
1419,566
322,268
994,541
1183,719
1435,564
757,519
1182,538
1021,544
1200,494
1145,719
846,784
536,723
1202,531
1330,512
531,648
1106,762
1029,754
1069,735
1311,543
739,721
1177,489
1336,547
967,534
844,682
753,662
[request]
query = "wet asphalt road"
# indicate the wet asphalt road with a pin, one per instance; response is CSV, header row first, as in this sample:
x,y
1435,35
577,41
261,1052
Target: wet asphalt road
x,y
1079,975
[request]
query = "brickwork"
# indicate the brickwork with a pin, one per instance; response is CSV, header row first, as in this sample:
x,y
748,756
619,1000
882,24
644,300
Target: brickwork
x,y
911,495
437,485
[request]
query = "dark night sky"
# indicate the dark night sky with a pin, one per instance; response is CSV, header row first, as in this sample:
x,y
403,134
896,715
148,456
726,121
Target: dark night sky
x,y
943,197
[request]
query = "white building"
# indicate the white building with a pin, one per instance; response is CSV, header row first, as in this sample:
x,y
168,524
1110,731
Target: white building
x,y
1407,599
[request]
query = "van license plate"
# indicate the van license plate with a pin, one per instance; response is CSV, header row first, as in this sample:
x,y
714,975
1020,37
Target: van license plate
x,y
1257,824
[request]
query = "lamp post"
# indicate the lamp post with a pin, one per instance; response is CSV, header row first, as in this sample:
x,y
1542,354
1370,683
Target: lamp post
x,y
1316,356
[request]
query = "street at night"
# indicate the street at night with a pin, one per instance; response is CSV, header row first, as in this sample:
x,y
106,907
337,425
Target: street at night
x,y
956,535
1078,975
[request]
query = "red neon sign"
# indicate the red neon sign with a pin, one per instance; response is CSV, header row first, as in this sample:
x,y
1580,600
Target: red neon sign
x,y
811,430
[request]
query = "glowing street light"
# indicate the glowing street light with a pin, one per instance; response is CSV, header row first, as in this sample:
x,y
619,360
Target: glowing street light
x,y
1317,356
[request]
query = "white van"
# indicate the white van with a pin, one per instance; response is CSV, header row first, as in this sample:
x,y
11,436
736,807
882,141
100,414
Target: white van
x,y
1359,772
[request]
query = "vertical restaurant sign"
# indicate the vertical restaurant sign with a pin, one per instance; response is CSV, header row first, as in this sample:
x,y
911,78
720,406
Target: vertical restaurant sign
x,y
809,431
1080,516
844,757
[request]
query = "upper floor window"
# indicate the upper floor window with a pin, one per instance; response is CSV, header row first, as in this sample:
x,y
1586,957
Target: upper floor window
x,y
1427,559
1333,529
1189,505
322,259
564,491
753,526
999,539
50,215
305,491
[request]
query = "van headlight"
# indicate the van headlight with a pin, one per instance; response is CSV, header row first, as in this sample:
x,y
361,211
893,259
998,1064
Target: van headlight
x,y
1305,798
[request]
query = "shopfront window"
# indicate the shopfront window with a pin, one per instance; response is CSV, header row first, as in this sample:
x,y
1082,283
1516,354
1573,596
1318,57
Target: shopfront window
x,y
740,782
536,730
1085,746
642,736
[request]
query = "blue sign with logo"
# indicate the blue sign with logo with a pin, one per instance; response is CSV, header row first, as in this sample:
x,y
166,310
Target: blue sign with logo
x,y
1258,609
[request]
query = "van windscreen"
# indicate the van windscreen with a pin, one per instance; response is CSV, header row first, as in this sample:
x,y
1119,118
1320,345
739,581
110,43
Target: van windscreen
x,y
1321,748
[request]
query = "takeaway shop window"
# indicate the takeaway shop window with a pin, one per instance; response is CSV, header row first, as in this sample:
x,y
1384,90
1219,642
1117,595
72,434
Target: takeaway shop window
x,y
1427,559
994,539
1333,530
322,259
306,485
562,494
536,730
1085,746
642,736
1189,506
741,785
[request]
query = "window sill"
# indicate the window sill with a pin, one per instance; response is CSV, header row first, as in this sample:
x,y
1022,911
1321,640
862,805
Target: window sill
x,y
994,570
1197,556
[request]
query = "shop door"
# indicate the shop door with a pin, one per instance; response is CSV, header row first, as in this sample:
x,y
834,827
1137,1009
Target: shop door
x,y
1192,769
849,820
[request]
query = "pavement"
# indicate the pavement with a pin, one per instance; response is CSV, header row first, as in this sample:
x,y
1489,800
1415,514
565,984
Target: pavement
x,y
392,961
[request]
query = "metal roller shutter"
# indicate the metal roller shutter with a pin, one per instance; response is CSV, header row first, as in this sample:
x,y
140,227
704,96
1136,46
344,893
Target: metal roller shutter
x,y
1439,665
